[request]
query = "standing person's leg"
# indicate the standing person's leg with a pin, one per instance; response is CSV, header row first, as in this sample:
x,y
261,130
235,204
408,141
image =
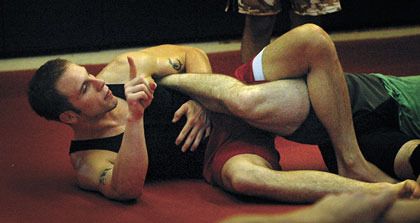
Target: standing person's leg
x,y
256,35
260,18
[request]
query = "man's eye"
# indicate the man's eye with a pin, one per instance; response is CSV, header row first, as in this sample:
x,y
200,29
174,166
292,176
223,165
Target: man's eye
x,y
84,88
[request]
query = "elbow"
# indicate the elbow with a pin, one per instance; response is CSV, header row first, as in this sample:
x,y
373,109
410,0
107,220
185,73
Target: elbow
x,y
129,190
123,187
125,191
130,195
125,195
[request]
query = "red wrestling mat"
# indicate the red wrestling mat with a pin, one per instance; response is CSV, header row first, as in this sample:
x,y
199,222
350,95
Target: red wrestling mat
x,y
38,185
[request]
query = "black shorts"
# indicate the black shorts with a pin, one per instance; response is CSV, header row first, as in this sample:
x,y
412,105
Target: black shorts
x,y
378,136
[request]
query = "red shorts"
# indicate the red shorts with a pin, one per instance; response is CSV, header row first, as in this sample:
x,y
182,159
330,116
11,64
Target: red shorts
x,y
231,136
244,73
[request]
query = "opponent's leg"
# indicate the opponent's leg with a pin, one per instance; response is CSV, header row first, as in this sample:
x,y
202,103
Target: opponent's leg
x,y
260,17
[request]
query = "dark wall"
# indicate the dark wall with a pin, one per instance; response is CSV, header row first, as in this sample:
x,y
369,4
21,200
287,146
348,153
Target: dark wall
x,y
150,22
35,27
360,14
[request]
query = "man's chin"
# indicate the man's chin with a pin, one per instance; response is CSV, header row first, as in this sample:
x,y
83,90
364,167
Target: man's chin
x,y
114,105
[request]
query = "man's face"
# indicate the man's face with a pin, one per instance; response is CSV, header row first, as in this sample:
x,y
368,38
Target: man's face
x,y
85,92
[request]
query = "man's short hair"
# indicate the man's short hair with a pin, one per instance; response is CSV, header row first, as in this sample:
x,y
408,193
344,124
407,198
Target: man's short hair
x,y
43,96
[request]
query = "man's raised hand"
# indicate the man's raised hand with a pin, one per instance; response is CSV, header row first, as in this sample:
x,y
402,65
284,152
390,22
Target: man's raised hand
x,y
138,91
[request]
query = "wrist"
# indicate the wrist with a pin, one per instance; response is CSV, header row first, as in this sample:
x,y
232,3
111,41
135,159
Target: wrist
x,y
134,118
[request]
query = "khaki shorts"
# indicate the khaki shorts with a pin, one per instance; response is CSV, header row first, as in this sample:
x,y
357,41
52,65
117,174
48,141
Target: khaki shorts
x,y
273,7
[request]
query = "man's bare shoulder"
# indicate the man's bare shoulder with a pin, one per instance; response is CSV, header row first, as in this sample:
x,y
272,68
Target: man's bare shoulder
x,y
80,158
148,61
93,168
155,51
117,70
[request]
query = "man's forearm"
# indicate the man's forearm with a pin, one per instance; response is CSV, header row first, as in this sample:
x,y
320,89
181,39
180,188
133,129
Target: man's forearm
x,y
131,165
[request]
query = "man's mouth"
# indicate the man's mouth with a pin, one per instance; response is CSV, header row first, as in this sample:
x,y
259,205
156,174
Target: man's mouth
x,y
108,94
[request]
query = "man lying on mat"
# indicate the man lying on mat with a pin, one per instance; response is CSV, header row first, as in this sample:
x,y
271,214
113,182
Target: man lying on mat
x,y
111,154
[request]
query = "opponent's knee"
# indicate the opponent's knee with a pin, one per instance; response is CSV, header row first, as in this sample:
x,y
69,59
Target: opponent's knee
x,y
236,175
239,174
316,41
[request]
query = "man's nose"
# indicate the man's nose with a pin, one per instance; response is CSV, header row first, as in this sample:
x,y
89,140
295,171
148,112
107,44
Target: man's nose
x,y
99,84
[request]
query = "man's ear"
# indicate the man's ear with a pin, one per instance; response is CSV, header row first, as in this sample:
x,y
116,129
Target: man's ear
x,y
69,117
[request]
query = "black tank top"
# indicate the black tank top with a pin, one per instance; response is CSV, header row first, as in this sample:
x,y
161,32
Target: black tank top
x,y
165,158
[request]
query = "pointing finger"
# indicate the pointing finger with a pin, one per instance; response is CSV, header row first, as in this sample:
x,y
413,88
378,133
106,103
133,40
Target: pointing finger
x,y
133,69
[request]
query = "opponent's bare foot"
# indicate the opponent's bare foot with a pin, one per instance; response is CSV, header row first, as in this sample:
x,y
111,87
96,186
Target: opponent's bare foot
x,y
408,189
363,171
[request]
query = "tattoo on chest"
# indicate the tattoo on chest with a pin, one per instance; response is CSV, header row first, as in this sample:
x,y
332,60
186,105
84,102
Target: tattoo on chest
x,y
176,64
103,176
